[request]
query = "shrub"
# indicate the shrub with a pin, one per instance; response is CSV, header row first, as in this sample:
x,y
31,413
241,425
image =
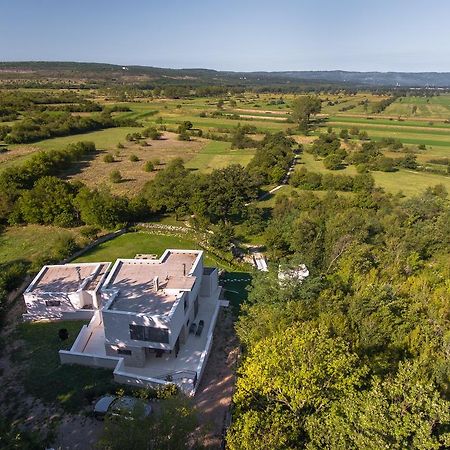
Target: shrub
x,y
90,231
344,134
333,162
149,166
63,247
134,158
184,136
108,158
115,176
152,133
120,145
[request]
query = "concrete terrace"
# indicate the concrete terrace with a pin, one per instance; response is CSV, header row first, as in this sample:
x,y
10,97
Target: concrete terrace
x,y
151,286
189,363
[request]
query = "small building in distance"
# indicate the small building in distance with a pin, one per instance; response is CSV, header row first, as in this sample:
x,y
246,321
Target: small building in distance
x,y
65,291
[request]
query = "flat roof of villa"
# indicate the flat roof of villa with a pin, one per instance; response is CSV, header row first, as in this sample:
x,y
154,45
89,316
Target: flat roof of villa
x,y
135,281
69,277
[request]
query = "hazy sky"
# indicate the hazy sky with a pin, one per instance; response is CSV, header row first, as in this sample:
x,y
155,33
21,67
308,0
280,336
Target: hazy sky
x,y
400,35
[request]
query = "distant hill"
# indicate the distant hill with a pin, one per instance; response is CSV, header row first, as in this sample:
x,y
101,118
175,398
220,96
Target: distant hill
x,y
98,72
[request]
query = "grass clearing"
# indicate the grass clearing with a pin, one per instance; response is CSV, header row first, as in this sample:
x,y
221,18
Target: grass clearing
x,y
216,155
31,242
408,182
71,387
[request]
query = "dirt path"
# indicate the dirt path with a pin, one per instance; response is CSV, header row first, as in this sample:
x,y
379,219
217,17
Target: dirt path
x,y
213,398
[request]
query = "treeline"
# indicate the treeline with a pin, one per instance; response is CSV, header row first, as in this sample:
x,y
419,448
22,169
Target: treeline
x,y
28,99
222,195
272,158
44,125
380,106
370,157
313,181
32,193
355,356
8,114
366,156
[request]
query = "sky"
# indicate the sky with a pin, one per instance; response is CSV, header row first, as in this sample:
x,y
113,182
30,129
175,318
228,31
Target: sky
x,y
245,35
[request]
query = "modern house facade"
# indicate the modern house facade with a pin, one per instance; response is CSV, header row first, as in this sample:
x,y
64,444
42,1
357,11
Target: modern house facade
x,y
65,291
156,322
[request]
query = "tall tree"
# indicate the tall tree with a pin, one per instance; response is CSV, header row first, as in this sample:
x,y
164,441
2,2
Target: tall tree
x,y
303,108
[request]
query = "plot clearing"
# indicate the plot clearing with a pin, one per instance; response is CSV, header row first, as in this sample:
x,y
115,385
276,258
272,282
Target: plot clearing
x,y
216,155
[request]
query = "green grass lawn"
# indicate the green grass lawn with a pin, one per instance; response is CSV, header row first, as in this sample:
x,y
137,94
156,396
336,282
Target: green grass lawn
x,y
380,121
130,244
72,387
236,288
217,155
406,135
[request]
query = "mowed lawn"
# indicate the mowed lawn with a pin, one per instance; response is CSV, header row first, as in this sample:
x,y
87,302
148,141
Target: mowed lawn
x,y
216,155
130,244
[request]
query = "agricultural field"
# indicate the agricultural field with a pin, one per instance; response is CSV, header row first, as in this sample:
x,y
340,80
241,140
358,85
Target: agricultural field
x,y
427,126
407,182
434,107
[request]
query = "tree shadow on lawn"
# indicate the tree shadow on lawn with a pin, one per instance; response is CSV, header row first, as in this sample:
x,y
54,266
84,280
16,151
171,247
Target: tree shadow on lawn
x,y
235,285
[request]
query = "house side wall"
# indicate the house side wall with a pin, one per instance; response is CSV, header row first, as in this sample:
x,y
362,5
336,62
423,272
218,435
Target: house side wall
x,y
209,284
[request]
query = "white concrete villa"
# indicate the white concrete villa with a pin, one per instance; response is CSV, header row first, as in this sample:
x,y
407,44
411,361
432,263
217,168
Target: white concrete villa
x,y
154,323
65,291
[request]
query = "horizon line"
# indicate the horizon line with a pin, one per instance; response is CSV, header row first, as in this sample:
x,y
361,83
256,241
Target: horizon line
x,y
221,70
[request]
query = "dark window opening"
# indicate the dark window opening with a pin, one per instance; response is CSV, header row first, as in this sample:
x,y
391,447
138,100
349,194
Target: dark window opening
x,y
196,307
152,334
52,303
123,351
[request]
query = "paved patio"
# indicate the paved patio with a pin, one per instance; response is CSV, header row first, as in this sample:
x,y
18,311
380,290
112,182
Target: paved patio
x,y
190,359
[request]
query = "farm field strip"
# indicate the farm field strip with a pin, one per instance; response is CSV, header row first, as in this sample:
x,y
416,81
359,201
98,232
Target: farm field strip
x,y
394,122
406,137
392,127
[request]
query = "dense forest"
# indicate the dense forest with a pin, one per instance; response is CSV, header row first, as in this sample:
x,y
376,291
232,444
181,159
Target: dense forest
x,y
357,355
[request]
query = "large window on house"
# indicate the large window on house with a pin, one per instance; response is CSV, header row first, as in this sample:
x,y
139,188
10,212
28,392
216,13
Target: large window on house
x,y
52,303
152,334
